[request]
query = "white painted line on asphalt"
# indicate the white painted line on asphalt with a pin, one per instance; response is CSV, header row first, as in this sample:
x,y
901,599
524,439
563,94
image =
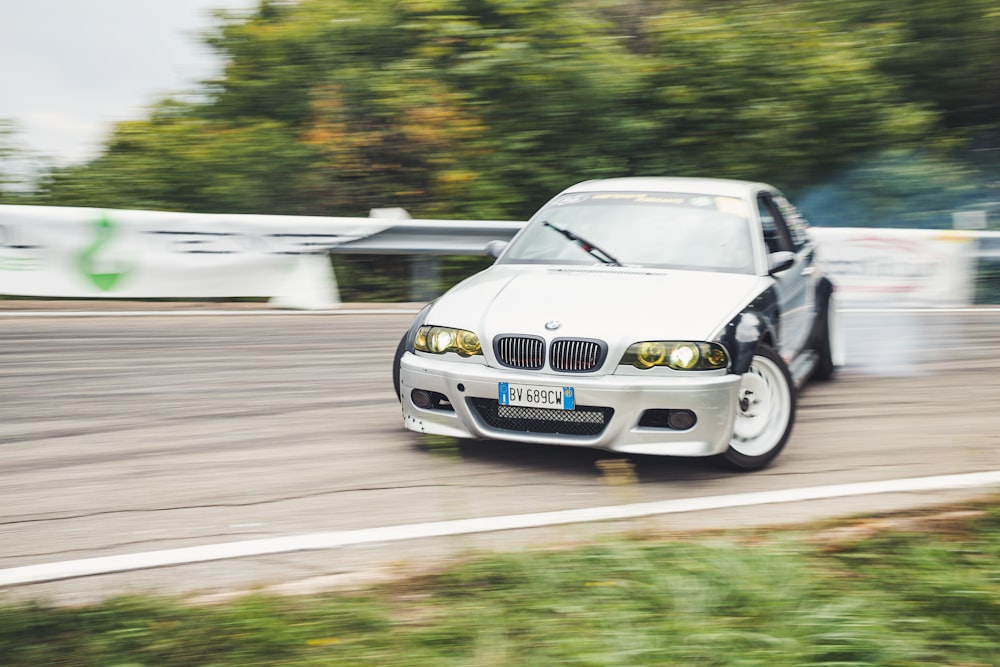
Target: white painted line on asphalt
x,y
187,313
928,310
328,540
393,311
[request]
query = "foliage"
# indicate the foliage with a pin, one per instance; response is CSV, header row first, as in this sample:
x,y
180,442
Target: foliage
x,y
923,597
401,278
174,161
485,108
944,56
865,112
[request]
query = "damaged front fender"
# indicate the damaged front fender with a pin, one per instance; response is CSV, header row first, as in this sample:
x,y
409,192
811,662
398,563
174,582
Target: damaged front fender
x,y
755,324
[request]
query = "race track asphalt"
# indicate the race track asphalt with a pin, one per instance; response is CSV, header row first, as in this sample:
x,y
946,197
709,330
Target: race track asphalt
x,y
129,434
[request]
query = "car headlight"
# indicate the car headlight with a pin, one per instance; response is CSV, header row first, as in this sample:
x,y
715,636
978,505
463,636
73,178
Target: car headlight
x,y
678,355
439,340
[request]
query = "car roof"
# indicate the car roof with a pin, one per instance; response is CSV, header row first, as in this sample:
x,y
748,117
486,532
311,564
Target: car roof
x,y
699,186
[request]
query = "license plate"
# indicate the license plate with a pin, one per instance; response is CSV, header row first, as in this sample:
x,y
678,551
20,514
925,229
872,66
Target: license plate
x,y
536,396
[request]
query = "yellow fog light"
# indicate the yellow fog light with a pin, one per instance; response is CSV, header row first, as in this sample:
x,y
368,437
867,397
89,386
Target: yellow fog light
x,y
650,354
684,356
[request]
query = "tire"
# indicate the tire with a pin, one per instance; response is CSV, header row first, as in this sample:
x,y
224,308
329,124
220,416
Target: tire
x,y
765,415
396,361
826,368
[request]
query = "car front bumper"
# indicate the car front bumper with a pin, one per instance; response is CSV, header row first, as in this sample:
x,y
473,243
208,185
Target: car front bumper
x,y
468,386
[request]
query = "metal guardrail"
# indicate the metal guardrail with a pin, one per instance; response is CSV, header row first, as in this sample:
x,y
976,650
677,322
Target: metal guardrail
x,y
433,237
98,253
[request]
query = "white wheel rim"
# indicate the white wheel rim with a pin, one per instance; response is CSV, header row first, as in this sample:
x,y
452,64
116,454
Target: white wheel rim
x,y
764,409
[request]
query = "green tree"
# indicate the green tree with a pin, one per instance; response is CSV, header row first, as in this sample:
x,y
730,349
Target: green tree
x,y
485,108
945,55
176,160
776,94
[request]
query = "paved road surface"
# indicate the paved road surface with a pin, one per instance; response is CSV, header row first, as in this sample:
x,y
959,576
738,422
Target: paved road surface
x,y
122,435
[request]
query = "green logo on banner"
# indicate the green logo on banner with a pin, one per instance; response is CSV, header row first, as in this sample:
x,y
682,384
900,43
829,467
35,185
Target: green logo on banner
x,y
103,280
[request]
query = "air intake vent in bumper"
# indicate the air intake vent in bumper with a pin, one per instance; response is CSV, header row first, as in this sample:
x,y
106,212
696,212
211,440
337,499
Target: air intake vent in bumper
x,y
585,420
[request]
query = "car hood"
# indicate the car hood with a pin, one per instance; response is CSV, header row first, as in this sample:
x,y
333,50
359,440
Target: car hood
x,y
619,305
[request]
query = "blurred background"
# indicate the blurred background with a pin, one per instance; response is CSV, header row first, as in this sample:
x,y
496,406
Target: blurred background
x,y
132,434
865,113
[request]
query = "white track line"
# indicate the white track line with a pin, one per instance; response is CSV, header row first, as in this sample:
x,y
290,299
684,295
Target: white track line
x,y
928,310
329,540
188,313
392,311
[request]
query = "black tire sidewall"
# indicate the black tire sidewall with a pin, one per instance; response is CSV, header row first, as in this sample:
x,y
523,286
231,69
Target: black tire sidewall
x,y
825,368
397,359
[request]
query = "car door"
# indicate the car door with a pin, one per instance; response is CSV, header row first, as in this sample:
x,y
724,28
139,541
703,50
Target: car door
x,y
784,229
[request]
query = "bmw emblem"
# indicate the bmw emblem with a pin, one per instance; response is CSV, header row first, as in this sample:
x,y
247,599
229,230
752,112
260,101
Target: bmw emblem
x,y
552,325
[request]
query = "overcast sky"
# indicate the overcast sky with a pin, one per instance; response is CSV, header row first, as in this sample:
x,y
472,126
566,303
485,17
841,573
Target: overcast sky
x,y
69,69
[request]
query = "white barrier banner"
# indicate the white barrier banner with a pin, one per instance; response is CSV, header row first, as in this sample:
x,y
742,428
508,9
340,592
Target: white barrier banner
x,y
898,267
94,253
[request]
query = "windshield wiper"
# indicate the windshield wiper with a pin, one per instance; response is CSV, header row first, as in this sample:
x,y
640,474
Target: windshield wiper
x,y
585,244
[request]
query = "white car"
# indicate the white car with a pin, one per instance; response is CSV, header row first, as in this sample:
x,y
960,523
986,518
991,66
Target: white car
x,y
670,316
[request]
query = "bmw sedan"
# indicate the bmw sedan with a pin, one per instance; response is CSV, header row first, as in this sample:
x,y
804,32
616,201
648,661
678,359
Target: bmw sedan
x,y
666,316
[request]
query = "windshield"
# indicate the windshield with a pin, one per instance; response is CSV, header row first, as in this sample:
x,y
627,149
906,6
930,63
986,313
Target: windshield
x,y
660,230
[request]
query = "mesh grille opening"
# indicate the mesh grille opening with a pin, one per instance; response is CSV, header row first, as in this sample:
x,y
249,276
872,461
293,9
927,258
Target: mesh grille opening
x,y
586,420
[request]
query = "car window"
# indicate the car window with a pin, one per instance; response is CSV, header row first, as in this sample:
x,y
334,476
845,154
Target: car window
x,y
776,236
661,230
797,224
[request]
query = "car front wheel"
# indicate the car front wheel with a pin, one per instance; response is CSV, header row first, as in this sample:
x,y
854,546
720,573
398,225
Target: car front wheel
x,y
765,413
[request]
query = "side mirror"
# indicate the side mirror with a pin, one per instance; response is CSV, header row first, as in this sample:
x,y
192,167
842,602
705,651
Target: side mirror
x,y
495,248
780,261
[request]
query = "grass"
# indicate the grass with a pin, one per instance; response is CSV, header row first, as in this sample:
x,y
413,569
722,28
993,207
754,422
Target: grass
x,y
916,594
